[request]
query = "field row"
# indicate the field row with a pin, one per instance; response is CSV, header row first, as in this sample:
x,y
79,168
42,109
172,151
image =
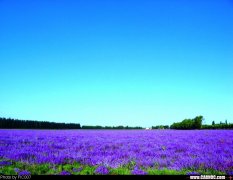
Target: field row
x,y
116,152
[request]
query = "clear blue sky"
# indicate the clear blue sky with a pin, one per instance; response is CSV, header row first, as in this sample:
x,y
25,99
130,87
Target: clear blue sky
x,y
116,62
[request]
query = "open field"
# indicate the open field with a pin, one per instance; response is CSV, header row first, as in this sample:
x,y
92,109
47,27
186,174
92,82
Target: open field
x,y
76,152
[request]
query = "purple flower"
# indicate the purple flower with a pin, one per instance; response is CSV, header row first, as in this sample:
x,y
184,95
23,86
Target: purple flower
x,y
16,170
77,169
101,170
174,168
192,173
138,171
192,149
24,172
64,173
230,173
5,163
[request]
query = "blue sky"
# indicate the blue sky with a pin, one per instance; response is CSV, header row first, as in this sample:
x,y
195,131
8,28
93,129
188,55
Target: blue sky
x,y
116,62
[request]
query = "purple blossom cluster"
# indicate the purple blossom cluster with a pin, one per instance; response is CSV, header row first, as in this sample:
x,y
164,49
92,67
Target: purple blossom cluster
x,y
24,172
171,149
64,173
21,173
77,169
102,170
138,171
5,163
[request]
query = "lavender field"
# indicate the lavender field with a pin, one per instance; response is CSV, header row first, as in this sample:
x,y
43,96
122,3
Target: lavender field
x,y
83,152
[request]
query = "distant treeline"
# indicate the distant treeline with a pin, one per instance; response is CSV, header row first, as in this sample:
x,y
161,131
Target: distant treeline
x,y
110,127
161,127
9,123
195,123
218,126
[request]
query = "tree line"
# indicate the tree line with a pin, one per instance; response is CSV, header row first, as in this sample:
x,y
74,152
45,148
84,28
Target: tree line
x,y
9,123
220,125
195,123
110,127
160,127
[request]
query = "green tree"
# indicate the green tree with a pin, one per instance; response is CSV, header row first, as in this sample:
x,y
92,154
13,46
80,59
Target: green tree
x,y
198,122
195,123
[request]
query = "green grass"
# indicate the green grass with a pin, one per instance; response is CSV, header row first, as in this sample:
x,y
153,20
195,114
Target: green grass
x,y
152,171
120,171
49,169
